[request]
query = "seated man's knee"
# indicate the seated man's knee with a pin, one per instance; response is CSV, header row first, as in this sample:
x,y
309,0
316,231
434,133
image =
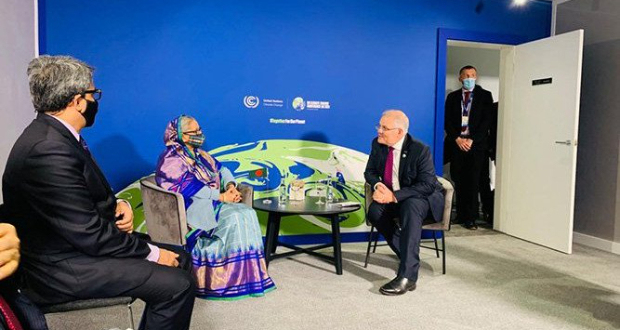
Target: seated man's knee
x,y
413,206
375,211
184,282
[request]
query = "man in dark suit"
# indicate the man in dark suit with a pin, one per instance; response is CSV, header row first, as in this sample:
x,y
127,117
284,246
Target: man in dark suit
x,y
486,194
467,120
77,240
401,173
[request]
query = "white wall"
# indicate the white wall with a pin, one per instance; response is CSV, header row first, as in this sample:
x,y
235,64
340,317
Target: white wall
x,y
17,48
597,198
486,62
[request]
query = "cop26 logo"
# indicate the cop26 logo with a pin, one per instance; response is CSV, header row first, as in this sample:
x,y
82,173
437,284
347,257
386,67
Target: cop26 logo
x,y
250,101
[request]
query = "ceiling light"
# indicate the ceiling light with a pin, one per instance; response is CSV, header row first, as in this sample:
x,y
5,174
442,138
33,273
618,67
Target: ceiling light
x,y
518,3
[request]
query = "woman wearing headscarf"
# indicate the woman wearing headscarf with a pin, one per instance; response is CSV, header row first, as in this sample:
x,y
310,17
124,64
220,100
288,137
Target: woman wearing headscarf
x,y
224,236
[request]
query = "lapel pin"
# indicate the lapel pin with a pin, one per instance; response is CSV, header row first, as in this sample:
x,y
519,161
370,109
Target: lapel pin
x,y
404,155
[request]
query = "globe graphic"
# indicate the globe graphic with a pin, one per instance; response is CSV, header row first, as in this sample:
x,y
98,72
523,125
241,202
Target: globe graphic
x,y
298,103
304,160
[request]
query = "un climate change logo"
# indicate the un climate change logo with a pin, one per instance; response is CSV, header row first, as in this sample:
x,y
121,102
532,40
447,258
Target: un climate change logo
x,y
250,101
299,104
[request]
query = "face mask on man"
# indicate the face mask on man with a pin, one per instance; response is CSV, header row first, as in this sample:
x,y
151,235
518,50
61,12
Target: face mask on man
x,y
469,83
197,140
91,112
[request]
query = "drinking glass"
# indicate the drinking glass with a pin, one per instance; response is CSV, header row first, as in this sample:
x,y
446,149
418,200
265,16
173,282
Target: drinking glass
x,y
320,190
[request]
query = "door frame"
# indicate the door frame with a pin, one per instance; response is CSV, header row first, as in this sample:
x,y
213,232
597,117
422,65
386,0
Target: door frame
x,y
443,35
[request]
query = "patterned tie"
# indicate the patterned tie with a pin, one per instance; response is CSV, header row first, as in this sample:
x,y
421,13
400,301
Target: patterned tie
x,y
84,145
389,164
11,320
465,103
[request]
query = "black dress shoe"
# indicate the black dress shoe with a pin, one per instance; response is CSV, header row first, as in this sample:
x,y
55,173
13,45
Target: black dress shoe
x,y
470,226
397,286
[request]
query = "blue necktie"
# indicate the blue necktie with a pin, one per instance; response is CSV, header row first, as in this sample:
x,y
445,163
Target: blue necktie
x,y
84,145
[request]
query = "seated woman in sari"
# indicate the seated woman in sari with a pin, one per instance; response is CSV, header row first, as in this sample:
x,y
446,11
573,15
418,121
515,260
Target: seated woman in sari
x,y
224,238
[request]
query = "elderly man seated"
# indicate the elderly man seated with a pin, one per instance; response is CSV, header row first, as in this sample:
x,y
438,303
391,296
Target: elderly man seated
x,y
401,173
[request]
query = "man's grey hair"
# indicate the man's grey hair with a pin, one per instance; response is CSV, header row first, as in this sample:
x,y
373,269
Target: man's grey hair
x,y
55,80
400,118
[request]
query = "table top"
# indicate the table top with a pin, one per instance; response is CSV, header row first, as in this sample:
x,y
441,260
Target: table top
x,y
305,207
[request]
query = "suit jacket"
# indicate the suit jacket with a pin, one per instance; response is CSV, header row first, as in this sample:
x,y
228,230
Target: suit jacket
x,y
416,173
64,212
479,120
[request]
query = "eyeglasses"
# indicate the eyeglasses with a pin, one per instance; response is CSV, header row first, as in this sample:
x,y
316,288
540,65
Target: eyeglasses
x,y
380,128
95,92
196,132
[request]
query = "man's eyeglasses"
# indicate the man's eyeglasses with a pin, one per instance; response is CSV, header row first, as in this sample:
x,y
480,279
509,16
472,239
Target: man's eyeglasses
x,y
384,129
95,92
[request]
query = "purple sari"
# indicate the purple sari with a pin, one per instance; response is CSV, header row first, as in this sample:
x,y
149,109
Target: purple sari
x,y
224,239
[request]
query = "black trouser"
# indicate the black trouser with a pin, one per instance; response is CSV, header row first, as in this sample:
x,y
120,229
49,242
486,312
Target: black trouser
x,y
169,294
486,194
465,168
404,237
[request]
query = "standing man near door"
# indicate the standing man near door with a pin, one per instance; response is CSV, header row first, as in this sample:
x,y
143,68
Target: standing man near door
x,y
467,120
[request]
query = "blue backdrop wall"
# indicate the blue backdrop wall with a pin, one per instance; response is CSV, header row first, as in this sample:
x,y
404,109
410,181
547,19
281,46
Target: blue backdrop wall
x,y
157,59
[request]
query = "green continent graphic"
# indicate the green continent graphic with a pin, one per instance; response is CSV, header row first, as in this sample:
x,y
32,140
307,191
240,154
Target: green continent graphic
x,y
286,160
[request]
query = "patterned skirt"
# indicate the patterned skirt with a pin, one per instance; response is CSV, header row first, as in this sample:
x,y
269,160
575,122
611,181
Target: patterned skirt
x,y
229,261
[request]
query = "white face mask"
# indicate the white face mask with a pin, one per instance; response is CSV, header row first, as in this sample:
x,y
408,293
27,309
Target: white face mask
x,y
469,83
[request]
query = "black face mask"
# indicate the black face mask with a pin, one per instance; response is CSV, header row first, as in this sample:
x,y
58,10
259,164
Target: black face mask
x,y
91,111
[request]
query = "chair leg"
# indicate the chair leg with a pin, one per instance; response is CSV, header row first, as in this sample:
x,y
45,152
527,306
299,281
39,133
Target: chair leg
x,y
369,245
374,249
131,316
435,239
443,251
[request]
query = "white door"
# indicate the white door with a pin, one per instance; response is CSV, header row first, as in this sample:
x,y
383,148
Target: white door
x,y
537,147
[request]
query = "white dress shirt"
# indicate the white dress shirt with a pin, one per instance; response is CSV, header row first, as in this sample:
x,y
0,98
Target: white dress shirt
x,y
398,148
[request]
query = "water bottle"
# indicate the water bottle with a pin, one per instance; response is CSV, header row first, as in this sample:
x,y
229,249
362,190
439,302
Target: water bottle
x,y
330,189
283,190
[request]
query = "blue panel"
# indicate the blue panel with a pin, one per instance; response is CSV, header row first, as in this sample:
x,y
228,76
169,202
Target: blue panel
x,y
157,59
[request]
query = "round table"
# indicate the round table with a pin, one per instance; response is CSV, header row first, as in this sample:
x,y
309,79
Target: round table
x,y
276,210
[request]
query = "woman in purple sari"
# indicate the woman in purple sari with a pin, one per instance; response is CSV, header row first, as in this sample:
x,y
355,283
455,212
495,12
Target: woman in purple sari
x,y
224,236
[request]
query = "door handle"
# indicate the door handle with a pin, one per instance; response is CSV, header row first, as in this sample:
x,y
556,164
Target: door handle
x,y
566,142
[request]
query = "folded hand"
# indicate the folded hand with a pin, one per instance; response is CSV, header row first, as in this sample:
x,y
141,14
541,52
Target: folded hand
x,y
168,258
124,217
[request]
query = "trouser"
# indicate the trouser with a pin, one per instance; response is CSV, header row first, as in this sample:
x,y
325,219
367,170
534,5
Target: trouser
x,y
465,170
486,194
402,236
169,294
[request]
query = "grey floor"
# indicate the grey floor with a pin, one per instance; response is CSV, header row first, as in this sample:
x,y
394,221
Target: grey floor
x,y
494,281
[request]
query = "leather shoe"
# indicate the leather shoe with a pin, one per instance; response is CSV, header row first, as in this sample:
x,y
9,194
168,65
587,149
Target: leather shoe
x,y
470,225
398,286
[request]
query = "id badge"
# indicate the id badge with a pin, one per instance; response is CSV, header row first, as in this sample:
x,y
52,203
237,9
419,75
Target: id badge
x,y
464,121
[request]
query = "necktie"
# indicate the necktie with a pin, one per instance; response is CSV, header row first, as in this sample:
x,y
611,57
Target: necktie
x,y
84,145
466,103
11,320
389,164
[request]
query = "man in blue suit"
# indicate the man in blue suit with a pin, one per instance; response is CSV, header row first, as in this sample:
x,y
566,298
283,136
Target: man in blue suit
x,y
401,173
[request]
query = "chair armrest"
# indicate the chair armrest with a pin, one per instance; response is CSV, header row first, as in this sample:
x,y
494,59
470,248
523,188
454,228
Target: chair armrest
x,y
448,195
367,201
